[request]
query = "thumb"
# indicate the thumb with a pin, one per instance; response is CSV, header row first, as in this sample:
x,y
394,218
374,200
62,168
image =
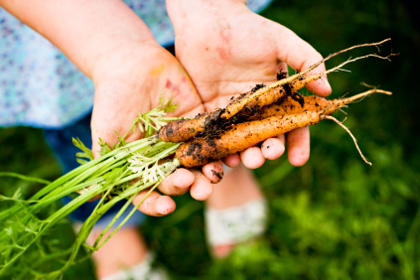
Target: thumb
x,y
299,55
114,110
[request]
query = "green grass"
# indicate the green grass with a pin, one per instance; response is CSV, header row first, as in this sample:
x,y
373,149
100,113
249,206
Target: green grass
x,y
335,217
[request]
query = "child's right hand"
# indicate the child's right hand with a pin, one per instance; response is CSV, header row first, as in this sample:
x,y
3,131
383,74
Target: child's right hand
x,y
131,80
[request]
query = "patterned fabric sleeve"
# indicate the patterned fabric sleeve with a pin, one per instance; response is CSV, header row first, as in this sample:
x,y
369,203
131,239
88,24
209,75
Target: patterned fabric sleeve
x,y
39,86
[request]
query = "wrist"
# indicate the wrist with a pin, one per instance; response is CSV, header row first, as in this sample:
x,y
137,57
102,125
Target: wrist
x,y
116,45
124,59
110,52
182,12
206,2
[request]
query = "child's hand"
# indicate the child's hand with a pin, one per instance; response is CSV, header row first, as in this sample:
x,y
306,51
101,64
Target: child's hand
x,y
227,49
132,80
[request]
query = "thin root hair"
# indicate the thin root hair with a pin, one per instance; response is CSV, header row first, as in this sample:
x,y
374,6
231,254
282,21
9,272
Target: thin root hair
x,y
342,111
377,44
352,136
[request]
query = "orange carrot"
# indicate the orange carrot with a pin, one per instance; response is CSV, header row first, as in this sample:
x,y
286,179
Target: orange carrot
x,y
273,121
200,151
312,103
184,129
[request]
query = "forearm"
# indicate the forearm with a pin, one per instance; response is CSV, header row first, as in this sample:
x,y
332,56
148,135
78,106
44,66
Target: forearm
x,y
88,32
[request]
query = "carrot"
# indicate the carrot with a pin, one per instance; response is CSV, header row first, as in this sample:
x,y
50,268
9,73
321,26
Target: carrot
x,y
182,129
200,151
311,103
274,120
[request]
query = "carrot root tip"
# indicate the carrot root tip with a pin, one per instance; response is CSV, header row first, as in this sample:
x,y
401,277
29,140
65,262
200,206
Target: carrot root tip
x,y
352,136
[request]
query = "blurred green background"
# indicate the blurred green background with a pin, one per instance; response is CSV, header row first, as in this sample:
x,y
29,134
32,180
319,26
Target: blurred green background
x,y
335,217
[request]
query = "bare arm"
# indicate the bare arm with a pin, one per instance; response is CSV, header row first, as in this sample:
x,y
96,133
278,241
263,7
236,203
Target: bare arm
x,y
88,32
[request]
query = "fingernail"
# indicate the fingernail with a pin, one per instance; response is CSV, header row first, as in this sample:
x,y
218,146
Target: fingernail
x,y
217,175
326,84
164,210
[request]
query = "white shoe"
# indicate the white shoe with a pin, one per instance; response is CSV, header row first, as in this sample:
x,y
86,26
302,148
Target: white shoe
x,y
236,224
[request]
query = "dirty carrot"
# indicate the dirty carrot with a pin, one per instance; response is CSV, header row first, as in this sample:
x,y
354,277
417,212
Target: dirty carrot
x,y
311,103
242,136
272,121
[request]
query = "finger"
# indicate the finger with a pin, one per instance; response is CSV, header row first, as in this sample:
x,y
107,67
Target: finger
x,y
232,160
320,86
178,182
107,121
154,204
201,189
298,146
273,148
299,55
252,158
282,69
213,171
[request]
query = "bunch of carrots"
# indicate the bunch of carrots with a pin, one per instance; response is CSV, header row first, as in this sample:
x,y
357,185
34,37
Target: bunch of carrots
x,y
262,113
121,172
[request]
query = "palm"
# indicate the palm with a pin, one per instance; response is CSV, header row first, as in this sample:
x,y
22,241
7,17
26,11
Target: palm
x,y
137,85
231,63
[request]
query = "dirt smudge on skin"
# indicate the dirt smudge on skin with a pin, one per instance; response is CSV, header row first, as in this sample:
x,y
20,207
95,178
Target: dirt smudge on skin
x,y
224,49
219,175
172,87
158,70
224,52
168,83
